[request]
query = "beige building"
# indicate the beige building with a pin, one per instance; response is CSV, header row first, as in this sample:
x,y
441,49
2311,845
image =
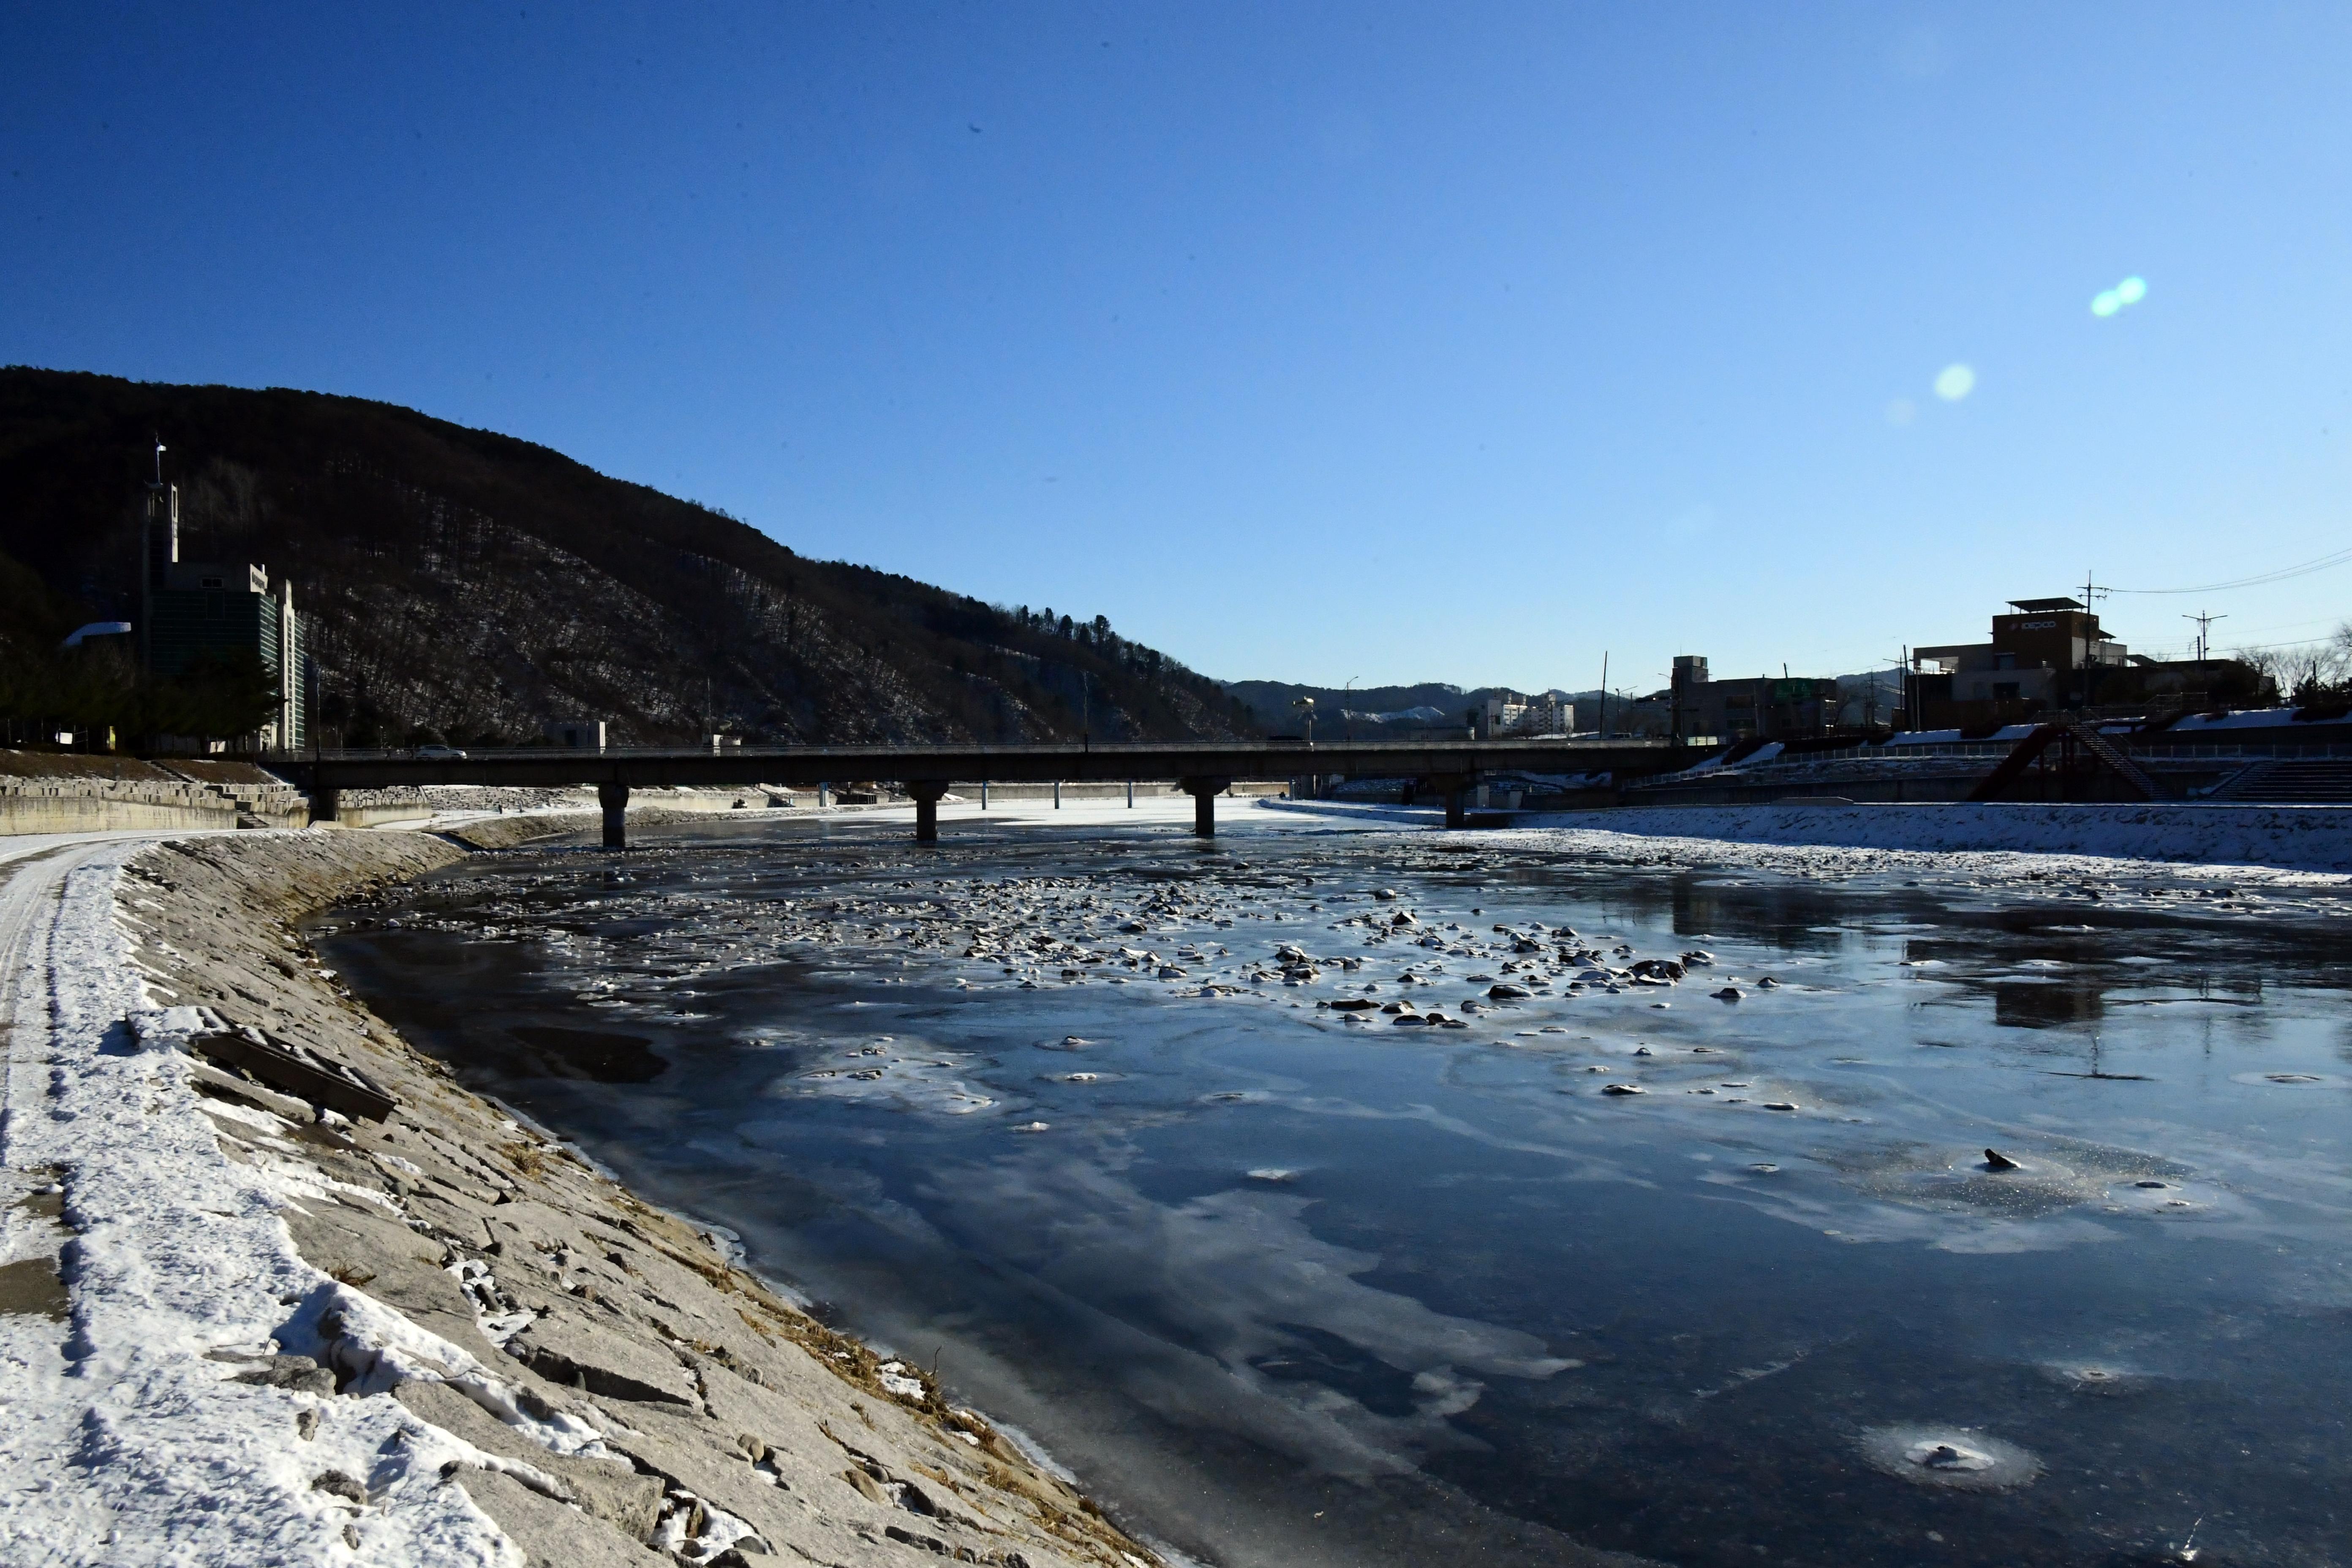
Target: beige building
x,y
2048,654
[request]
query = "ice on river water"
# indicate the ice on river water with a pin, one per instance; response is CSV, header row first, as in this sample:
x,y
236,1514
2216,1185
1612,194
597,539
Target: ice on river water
x,y
1073,1110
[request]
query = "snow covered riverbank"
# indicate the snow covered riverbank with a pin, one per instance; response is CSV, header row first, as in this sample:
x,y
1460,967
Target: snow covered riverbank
x,y
2296,837
236,1327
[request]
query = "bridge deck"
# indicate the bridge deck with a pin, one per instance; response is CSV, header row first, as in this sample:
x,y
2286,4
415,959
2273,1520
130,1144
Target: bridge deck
x,y
1072,762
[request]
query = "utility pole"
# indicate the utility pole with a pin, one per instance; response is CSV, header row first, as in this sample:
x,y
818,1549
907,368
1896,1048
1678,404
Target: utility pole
x,y
2203,621
1313,780
1604,693
1902,690
2091,595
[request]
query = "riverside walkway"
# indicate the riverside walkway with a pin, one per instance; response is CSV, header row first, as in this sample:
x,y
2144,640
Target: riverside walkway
x,y
1447,769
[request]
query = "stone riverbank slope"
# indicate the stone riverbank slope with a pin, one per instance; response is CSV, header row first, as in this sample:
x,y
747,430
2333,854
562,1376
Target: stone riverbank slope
x,y
593,1376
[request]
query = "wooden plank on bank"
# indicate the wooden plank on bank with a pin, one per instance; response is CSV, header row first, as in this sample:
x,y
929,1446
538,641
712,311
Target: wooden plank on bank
x,y
292,1069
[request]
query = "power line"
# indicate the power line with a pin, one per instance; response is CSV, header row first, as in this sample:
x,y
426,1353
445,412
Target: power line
x,y
2272,646
2274,630
2281,575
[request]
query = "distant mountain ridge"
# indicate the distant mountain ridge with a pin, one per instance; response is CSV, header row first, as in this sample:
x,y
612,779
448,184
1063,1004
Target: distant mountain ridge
x,y
466,585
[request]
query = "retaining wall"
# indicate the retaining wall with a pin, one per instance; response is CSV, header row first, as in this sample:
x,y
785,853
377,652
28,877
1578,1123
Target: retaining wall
x,y
73,812
66,791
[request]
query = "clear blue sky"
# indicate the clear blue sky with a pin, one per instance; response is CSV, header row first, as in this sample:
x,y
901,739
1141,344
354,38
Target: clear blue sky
x,y
1454,341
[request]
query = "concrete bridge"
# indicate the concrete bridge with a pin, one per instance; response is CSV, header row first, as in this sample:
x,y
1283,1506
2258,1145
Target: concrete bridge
x,y
1201,769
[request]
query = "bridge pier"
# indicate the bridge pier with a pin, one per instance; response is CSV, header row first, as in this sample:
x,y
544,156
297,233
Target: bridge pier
x,y
326,802
927,794
1455,788
1205,792
614,800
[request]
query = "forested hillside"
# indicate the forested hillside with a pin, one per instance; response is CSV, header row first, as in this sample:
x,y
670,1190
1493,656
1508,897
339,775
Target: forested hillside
x,y
467,586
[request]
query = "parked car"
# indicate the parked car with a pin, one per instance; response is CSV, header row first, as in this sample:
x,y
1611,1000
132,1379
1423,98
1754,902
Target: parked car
x,y
439,754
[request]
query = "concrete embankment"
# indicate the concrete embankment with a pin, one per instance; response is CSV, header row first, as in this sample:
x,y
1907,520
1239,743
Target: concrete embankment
x,y
413,803
62,793
51,792
729,1426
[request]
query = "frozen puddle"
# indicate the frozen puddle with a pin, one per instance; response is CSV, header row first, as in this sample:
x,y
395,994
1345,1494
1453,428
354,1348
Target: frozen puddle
x,y
926,1081
1953,1456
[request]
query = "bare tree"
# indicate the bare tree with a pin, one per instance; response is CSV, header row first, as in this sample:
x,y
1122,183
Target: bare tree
x,y
2306,673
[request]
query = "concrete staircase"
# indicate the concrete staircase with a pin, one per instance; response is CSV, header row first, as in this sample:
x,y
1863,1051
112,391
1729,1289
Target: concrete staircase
x,y
258,799
2012,768
2284,781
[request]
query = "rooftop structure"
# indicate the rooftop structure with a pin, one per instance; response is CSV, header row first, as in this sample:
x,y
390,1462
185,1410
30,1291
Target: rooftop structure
x,y
2050,653
2053,655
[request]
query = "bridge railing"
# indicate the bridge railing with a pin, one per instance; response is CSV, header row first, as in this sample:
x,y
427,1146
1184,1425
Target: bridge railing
x,y
884,751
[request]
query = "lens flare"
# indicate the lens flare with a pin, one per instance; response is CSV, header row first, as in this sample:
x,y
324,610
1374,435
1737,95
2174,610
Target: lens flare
x,y
2130,291
1955,382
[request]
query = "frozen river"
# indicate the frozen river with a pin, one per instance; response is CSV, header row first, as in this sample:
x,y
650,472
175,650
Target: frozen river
x,y
1290,1284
